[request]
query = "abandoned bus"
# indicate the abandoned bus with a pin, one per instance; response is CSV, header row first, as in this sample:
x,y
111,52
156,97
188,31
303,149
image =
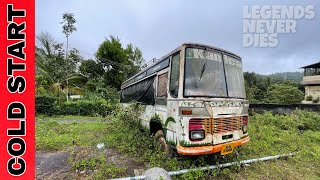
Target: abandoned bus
x,y
193,99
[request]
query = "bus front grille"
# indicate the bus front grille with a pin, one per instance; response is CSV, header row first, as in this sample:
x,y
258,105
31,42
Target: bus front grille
x,y
222,125
216,125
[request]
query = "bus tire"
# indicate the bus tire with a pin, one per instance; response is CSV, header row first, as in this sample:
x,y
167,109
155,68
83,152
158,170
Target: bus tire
x,y
160,140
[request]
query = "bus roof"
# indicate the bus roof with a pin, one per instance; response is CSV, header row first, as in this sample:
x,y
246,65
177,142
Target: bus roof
x,y
165,57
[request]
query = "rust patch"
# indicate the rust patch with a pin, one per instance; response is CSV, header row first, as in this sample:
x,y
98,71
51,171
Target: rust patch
x,y
207,125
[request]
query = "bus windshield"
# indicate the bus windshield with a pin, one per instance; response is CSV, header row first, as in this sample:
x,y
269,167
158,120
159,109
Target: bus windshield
x,y
205,75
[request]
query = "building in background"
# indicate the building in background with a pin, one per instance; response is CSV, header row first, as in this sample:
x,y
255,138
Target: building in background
x,y
311,82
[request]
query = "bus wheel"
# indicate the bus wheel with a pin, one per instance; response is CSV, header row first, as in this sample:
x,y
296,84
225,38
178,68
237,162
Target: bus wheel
x,y
160,140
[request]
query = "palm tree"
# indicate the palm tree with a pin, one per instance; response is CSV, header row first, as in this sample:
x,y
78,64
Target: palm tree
x,y
50,65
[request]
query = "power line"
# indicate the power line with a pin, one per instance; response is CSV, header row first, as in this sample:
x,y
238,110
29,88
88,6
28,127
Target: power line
x,y
109,62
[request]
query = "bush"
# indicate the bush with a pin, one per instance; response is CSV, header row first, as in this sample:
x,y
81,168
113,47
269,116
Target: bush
x,y
87,108
108,93
315,100
284,94
105,93
309,98
46,105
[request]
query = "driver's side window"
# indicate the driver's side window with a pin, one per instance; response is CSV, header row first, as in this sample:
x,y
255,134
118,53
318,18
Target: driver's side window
x,y
174,75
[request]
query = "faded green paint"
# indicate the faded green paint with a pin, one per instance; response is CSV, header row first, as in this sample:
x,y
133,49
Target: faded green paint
x,y
169,119
181,125
186,144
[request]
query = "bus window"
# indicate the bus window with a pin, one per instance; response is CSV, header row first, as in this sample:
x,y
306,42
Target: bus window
x,y
162,85
174,77
234,76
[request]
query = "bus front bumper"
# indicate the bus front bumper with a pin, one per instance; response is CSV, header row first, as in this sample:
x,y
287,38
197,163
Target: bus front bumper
x,y
201,150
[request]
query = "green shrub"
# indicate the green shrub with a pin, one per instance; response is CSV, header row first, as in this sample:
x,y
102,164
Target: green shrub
x,y
284,94
315,100
309,98
87,108
108,93
46,105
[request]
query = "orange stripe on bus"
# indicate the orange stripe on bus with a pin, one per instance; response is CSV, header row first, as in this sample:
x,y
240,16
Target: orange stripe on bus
x,y
201,150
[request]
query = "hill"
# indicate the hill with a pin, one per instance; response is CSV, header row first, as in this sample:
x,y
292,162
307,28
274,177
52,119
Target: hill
x,y
283,76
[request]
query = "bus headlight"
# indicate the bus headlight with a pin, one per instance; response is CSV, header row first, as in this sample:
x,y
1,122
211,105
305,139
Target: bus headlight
x,y
196,135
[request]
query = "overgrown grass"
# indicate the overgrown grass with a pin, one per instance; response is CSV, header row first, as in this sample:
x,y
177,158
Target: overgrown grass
x,y
94,161
52,135
279,134
42,118
270,135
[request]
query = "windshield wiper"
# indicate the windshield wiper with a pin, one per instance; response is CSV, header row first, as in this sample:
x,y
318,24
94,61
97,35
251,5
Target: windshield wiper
x,y
203,69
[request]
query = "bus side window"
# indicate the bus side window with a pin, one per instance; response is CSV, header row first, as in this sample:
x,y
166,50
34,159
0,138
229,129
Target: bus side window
x,y
162,85
174,75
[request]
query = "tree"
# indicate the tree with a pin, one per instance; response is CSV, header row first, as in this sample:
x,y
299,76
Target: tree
x,y
91,69
52,71
256,86
118,62
135,55
49,57
250,78
68,27
284,94
251,91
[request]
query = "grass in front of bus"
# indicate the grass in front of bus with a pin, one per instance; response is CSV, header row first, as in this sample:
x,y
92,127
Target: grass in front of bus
x,y
127,147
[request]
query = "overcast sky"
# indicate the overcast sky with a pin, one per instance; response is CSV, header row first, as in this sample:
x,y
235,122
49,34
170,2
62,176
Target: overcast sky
x,y
157,27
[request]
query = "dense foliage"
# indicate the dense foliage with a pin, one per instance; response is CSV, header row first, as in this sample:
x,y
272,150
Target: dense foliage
x,y
55,74
283,88
61,73
284,93
47,105
87,108
295,77
120,63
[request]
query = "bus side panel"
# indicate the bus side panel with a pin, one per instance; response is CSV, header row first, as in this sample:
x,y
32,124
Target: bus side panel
x,y
146,115
168,121
171,122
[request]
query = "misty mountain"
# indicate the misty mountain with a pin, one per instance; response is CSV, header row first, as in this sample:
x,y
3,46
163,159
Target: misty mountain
x,y
283,76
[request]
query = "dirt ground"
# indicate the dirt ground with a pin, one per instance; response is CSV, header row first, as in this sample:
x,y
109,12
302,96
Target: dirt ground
x,y
55,165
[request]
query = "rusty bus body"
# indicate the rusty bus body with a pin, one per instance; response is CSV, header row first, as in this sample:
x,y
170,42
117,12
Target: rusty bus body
x,y
195,95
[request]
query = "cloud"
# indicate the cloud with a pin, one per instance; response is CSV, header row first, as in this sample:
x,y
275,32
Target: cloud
x,y
157,27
